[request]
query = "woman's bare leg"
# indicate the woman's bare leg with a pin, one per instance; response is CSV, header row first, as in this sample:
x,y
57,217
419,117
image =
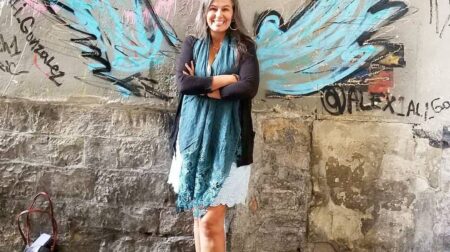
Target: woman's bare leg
x,y
212,232
197,234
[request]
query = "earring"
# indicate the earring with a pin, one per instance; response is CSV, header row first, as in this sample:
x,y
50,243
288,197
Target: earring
x,y
231,28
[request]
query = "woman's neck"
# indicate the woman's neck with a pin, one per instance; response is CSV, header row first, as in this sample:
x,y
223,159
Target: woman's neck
x,y
217,37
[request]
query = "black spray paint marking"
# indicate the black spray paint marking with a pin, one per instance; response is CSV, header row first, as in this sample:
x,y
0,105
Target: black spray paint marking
x,y
26,25
438,105
337,100
436,6
7,67
434,17
445,26
12,50
431,11
134,83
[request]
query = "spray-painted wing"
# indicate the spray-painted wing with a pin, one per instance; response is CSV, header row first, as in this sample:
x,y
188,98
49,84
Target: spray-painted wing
x,y
322,44
115,45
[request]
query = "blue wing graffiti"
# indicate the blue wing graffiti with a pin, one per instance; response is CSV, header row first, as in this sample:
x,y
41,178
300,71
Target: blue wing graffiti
x,y
322,44
117,52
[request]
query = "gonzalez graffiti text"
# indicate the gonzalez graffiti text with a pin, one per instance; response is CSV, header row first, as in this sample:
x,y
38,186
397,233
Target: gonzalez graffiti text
x,y
26,25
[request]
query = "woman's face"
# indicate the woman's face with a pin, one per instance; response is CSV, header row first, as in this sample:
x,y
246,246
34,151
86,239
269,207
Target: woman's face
x,y
219,16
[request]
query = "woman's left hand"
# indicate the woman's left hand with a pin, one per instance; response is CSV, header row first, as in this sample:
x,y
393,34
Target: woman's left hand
x,y
190,69
215,94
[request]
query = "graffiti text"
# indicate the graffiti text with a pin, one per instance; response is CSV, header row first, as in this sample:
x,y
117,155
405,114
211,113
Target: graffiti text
x,y
337,100
12,50
26,25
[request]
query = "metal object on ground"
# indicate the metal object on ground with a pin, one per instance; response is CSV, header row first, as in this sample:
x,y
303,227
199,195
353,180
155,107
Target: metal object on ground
x,y
45,242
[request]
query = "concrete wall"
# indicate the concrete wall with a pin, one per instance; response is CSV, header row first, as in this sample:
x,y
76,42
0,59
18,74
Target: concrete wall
x,y
351,155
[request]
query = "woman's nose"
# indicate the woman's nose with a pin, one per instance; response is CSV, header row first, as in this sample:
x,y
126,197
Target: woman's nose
x,y
219,12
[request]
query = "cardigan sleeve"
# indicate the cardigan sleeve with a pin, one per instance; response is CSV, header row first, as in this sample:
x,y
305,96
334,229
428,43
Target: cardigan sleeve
x,y
247,86
187,84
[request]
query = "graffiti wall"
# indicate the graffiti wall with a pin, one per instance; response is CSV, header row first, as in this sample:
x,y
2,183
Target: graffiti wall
x,y
61,48
355,56
352,122
340,57
361,60
371,59
327,42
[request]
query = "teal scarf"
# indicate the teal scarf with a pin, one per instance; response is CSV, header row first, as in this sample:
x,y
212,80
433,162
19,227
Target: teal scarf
x,y
209,133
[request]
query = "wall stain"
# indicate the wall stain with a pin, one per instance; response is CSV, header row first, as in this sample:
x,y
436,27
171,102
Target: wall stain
x,y
351,188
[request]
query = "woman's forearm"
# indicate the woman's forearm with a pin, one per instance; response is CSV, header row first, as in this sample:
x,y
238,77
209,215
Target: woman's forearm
x,y
220,81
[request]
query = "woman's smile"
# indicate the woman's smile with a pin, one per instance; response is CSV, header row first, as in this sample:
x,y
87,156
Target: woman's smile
x,y
219,15
221,22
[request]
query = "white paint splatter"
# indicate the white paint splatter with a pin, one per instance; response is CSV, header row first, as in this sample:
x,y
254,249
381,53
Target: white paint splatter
x,y
36,8
165,8
129,17
2,3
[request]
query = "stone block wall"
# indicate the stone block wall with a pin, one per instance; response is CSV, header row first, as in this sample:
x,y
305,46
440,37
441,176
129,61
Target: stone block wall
x,y
377,187
317,184
105,167
276,215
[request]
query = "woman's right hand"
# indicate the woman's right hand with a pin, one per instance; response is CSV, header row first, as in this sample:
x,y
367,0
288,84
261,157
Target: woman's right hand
x,y
215,94
190,69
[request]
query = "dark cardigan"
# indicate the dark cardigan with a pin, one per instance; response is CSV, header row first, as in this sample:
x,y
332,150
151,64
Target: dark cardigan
x,y
244,90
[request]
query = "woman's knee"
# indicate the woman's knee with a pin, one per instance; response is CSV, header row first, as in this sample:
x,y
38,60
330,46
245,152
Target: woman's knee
x,y
213,222
210,228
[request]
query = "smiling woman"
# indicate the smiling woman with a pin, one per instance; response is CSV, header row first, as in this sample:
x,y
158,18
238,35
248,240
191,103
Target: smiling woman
x,y
219,16
217,76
